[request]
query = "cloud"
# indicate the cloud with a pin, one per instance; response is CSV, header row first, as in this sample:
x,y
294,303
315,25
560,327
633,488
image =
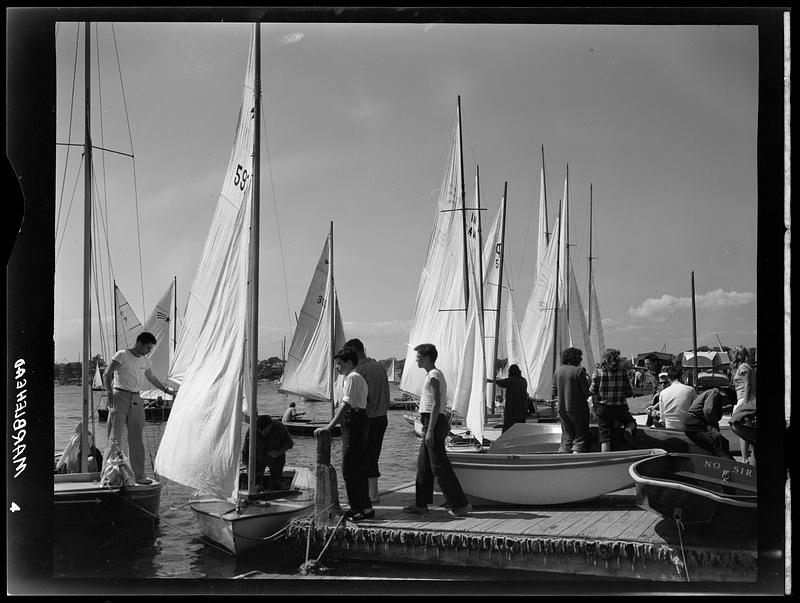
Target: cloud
x,y
661,308
291,38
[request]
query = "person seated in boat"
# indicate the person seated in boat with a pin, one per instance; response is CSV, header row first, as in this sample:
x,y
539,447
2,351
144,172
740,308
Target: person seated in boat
x,y
272,442
610,390
674,400
702,422
70,460
292,413
652,409
571,388
653,365
516,407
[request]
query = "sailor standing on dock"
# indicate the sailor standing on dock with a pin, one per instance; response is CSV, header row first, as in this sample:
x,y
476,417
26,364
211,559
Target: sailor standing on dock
x,y
432,459
377,408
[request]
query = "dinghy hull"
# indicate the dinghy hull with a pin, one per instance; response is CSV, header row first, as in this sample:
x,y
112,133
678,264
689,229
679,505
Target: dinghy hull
x,y
260,521
80,502
698,490
544,479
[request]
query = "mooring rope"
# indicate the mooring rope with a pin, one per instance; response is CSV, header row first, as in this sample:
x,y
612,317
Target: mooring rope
x,y
676,516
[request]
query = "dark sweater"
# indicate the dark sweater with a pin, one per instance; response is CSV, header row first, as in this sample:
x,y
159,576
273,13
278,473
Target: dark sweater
x,y
571,387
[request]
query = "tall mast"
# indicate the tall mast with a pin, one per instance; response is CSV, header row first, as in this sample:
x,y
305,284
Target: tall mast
x,y
87,251
694,336
544,188
332,311
589,296
558,274
175,313
567,264
254,253
499,291
463,210
480,264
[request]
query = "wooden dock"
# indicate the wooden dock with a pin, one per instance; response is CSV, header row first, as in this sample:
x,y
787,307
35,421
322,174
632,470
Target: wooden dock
x,y
607,537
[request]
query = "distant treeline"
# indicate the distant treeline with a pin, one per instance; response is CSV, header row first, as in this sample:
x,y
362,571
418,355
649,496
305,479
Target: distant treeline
x,y
69,373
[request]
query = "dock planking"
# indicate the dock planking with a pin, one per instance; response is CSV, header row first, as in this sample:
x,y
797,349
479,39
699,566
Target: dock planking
x,y
609,536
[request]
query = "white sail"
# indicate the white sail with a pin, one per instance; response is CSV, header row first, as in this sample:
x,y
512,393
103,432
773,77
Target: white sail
x,y
439,310
127,326
509,344
538,326
97,382
201,442
308,365
469,395
159,324
596,334
578,328
390,372
542,233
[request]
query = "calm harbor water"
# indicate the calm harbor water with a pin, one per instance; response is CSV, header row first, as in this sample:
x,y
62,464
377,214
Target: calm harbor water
x,y
174,549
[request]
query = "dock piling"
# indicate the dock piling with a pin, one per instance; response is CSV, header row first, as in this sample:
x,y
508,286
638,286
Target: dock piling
x,y
327,510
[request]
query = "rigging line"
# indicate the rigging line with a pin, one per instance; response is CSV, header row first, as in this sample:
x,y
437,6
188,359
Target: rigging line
x,y
69,209
108,245
133,161
102,131
97,296
275,208
69,134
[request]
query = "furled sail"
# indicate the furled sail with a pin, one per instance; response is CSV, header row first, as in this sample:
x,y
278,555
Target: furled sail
x,y
440,306
308,365
159,325
201,442
127,326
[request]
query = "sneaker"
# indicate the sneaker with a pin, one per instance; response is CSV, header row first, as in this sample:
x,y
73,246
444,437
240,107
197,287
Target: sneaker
x,y
415,509
461,511
145,481
350,513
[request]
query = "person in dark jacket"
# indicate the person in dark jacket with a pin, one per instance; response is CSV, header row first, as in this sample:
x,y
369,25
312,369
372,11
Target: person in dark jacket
x,y
702,422
272,442
571,387
516,386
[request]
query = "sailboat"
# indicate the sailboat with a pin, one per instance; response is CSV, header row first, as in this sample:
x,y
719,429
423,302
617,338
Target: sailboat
x,y
80,501
391,371
319,334
97,382
127,327
443,294
554,317
215,362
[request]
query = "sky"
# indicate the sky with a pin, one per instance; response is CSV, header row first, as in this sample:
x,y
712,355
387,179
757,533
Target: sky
x,y
661,121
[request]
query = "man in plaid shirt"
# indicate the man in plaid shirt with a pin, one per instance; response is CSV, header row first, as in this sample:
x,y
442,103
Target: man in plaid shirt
x,y
610,390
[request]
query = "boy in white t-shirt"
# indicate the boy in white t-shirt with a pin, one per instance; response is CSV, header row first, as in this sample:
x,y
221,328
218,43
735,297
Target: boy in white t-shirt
x,y
432,459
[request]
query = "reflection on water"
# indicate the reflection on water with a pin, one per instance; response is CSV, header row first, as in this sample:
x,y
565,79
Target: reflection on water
x,y
173,549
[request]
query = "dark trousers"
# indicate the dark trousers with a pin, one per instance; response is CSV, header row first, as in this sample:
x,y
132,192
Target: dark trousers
x,y
607,417
712,440
574,430
432,462
355,431
376,430
275,466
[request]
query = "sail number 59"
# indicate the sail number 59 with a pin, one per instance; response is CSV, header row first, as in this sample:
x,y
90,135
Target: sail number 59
x,y
240,178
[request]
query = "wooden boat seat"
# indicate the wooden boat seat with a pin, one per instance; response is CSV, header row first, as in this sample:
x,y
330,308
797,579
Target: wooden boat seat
x,y
699,477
